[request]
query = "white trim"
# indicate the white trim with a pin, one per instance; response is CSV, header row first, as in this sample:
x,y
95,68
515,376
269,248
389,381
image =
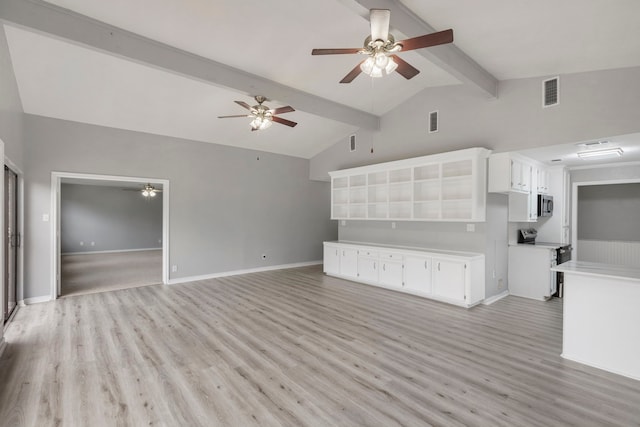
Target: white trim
x,y
20,230
56,178
491,300
35,300
111,251
595,365
238,272
3,345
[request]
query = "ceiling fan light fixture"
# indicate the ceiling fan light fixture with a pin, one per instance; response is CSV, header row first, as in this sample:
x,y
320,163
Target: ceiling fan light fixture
x,y
378,65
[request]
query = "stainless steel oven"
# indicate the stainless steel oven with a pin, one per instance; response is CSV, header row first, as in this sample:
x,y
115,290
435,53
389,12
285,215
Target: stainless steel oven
x,y
563,255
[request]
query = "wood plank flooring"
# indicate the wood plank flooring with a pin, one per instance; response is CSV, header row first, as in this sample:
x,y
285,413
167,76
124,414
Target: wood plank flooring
x,y
297,348
100,272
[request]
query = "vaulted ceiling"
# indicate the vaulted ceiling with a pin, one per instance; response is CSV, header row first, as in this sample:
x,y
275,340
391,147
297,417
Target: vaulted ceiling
x,y
170,67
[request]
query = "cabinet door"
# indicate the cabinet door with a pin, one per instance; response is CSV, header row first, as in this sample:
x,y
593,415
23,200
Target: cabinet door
x,y
331,262
368,269
516,175
525,178
417,274
349,262
449,279
391,273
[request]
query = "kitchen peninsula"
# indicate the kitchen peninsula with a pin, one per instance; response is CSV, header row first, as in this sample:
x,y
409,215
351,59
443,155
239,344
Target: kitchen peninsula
x,y
601,326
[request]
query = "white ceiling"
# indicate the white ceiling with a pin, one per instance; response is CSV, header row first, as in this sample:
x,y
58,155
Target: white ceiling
x,y
510,39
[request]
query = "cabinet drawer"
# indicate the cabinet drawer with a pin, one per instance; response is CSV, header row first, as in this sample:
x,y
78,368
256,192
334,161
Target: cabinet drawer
x,y
390,256
367,253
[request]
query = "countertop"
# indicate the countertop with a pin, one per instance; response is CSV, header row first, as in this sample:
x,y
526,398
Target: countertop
x,y
410,248
539,245
597,269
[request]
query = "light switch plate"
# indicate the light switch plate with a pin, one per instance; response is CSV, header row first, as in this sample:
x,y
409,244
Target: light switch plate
x,y
471,227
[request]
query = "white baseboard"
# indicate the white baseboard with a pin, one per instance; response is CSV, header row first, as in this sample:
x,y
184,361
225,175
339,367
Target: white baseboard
x,y
111,252
491,300
237,272
34,300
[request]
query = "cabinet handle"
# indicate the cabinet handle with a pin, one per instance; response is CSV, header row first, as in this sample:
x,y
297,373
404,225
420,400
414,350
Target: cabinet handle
x,y
374,265
336,252
425,264
384,267
438,266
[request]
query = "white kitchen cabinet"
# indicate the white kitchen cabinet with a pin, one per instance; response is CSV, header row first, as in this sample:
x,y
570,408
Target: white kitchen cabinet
x,y
368,265
391,269
441,275
417,274
441,187
543,180
331,263
449,279
349,262
530,274
509,172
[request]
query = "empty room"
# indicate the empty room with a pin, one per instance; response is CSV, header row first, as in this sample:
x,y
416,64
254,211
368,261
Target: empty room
x,y
337,213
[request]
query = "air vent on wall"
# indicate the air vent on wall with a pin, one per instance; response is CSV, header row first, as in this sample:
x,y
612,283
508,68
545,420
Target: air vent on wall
x,y
551,92
433,122
352,143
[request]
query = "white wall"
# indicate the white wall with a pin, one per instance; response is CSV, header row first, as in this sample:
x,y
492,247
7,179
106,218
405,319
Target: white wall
x,y
103,218
228,206
592,105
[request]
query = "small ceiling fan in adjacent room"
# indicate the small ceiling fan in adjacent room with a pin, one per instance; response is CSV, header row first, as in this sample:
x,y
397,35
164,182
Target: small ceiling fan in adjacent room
x,y
381,48
263,116
147,191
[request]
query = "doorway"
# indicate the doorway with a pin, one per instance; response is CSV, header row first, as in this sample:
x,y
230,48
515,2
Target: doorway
x,y
59,247
12,243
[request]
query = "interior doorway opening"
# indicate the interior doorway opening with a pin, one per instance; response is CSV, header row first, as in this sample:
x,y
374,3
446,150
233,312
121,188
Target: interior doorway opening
x,y
106,234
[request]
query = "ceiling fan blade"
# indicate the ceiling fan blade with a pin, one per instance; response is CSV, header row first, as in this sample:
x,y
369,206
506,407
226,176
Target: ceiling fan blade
x,y
379,19
405,69
352,74
282,110
228,117
428,40
336,51
284,121
243,104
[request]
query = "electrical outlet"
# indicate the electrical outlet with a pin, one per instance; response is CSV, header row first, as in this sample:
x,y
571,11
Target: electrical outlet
x,y
174,268
471,228
393,225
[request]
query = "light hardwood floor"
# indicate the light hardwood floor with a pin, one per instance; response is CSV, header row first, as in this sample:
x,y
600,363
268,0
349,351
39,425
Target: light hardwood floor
x,y
297,348
100,272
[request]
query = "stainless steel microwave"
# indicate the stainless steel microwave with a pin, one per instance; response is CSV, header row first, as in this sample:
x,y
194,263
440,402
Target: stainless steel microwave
x,y
545,205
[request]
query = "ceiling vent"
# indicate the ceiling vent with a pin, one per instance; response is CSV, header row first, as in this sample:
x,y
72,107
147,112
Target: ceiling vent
x,y
592,143
433,122
551,92
352,143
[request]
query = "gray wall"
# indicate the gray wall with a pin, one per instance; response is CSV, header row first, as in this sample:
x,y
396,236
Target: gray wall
x,y
592,105
228,206
10,106
609,212
109,217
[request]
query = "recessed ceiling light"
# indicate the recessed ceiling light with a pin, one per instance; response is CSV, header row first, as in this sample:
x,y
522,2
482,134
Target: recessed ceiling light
x,y
609,152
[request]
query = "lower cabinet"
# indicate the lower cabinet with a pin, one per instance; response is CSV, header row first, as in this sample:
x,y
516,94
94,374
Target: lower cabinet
x,y
331,259
417,274
349,262
449,279
391,269
452,278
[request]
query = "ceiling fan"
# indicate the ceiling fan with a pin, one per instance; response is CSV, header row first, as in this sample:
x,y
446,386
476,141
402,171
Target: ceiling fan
x,y
381,49
262,115
147,191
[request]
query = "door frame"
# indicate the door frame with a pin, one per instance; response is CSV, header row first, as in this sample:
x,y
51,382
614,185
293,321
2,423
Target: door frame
x,y
574,206
20,228
56,180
